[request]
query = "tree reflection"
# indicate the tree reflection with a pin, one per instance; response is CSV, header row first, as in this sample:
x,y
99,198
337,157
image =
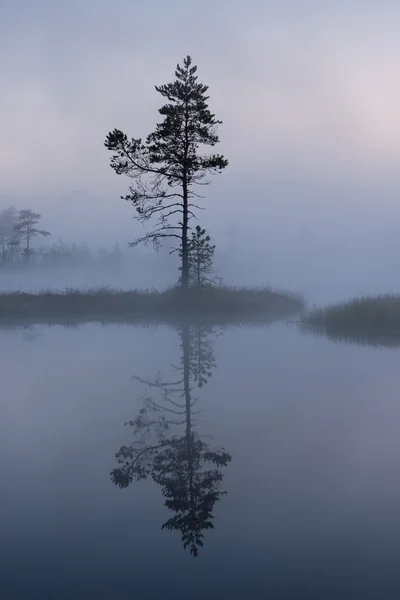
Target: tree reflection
x,y
188,469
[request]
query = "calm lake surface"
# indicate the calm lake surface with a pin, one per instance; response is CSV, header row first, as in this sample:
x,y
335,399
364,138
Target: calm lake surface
x,y
302,434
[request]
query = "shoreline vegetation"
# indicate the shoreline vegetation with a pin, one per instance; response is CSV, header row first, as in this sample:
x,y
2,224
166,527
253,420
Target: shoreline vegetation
x,y
216,305
372,320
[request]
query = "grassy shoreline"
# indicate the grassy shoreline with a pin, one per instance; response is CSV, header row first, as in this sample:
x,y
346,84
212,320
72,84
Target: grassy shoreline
x,y
216,304
373,320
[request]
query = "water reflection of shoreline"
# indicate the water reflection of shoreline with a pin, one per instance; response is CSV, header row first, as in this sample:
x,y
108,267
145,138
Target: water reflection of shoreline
x,y
187,468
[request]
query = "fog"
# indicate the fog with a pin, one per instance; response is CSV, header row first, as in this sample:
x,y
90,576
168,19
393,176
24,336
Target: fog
x,y
194,460
328,241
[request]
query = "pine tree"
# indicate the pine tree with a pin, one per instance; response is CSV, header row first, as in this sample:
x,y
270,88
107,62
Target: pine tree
x,y
26,227
200,258
167,166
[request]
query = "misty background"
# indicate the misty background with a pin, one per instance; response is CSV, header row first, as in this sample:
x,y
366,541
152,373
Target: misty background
x,y
308,93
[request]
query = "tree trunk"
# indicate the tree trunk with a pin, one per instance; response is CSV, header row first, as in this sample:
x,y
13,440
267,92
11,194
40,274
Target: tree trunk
x,y
186,350
185,253
185,215
186,347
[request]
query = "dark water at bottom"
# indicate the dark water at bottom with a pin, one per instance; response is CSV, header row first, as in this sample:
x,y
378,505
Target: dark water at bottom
x,y
302,434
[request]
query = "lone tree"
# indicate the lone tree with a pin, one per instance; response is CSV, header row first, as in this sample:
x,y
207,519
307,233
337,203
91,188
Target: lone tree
x,y
166,167
201,257
26,227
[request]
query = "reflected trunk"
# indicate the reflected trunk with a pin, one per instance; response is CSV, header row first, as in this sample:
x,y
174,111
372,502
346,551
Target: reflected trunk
x,y
187,469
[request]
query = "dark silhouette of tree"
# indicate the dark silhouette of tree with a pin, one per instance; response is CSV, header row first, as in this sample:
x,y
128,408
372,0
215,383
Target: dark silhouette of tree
x,y
60,254
186,467
8,219
201,258
26,227
167,166
57,254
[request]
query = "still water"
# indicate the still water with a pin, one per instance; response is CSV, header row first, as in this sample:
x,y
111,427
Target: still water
x,y
288,445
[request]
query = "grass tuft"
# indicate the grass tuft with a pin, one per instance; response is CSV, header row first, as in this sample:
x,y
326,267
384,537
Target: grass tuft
x,y
373,320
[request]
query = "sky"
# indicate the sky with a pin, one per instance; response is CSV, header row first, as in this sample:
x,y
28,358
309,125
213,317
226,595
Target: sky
x,y
308,92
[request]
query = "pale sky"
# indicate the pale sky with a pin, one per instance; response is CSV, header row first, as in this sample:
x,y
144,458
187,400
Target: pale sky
x,y
308,92
312,86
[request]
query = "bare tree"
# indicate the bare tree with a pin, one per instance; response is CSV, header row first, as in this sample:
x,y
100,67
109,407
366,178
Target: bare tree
x,y
26,227
167,166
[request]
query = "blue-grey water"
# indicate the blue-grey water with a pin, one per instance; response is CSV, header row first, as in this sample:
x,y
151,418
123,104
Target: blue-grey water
x,y
312,504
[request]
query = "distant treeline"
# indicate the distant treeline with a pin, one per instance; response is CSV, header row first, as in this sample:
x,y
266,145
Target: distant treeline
x,y
19,229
